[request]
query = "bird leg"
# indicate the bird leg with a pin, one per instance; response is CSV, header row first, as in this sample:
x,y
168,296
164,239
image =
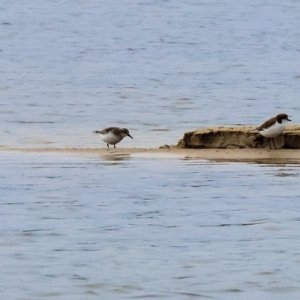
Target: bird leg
x,y
269,144
274,143
107,146
114,145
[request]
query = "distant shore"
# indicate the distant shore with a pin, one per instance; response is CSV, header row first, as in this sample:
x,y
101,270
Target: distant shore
x,y
242,155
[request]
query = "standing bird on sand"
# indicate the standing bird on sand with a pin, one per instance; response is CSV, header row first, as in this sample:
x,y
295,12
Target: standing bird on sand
x,y
113,135
273,127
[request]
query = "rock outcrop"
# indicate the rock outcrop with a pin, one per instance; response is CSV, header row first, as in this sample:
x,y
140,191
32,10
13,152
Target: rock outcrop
x,y
238,137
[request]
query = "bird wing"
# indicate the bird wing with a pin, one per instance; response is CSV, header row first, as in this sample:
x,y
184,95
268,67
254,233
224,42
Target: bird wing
x,y
106,130
267,124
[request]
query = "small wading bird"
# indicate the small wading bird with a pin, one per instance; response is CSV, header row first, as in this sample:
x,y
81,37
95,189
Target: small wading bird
x,y
272,128
113,135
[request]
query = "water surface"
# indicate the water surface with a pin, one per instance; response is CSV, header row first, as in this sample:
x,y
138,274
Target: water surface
x,y
82,227
159,68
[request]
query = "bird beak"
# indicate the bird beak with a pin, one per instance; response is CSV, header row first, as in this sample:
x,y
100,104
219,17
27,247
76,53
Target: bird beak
x,y
288,119
130,135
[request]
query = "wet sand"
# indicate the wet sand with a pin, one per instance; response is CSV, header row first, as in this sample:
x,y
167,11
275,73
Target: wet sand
x,y
254,155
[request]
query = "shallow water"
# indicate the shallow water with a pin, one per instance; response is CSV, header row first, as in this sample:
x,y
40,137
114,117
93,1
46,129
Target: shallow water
x,y
82,227
159,68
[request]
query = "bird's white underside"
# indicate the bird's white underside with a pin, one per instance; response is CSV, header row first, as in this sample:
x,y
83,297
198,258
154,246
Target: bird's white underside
x,y
111,138
274,130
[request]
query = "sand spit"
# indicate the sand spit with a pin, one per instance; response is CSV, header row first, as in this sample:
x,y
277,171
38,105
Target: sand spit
x,y
220,144
238,155
237,137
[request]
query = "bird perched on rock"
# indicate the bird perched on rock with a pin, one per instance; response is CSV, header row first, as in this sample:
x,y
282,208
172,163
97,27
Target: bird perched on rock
x,y
113,135
273,127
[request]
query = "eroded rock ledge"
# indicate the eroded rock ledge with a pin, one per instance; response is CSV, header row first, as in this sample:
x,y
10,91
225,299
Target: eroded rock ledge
x,y
237,137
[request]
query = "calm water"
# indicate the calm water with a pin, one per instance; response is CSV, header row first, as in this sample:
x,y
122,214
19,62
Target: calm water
x,y
159,68
76,227
84,227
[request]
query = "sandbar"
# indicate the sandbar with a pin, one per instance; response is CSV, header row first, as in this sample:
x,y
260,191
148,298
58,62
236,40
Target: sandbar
x,y
231,155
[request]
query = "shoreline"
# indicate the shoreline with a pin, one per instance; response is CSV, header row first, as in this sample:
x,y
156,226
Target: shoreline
x,y
242,155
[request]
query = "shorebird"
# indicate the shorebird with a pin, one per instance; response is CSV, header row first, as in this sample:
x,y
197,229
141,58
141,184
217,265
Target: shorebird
x,y
113,135
273,127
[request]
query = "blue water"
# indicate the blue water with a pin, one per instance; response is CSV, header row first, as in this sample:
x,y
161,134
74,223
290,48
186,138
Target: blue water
x,y
76,227
90,227
159,68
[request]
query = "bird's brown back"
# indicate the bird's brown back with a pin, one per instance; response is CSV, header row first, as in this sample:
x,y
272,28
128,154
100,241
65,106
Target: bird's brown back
x,y
267,124
114,130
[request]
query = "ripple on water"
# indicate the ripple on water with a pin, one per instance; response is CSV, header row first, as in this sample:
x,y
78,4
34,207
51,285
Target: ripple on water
x,y
147,227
